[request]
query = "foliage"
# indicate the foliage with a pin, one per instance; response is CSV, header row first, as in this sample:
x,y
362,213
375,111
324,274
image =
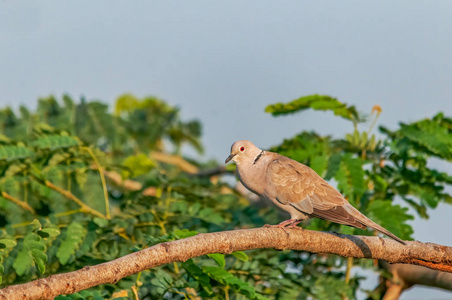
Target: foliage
x,y
81,185
317,102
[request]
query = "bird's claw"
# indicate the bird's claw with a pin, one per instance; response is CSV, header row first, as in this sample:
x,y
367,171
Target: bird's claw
x,y
294,226
288,224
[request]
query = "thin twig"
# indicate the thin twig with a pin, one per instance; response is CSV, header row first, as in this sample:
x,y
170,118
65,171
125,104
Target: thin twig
x,y
18,202
70,196
68,213
349,269
135,293
102,178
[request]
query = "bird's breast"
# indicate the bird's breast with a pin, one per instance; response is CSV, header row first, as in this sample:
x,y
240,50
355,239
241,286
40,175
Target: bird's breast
x,y
252,178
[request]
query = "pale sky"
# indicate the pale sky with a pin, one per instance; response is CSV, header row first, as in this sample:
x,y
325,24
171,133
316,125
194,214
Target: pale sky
x,y
222,62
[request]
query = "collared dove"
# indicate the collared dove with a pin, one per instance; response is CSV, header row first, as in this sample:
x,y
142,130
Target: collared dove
x,y
295,188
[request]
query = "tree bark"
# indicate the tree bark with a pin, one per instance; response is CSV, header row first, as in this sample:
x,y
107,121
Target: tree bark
x,y
406,276
427,254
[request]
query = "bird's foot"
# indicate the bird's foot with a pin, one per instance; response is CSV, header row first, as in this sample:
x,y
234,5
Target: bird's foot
x,y
287,224
294,225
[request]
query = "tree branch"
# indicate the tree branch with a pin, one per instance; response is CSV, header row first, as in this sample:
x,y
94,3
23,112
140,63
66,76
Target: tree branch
x,y
427,254
406,276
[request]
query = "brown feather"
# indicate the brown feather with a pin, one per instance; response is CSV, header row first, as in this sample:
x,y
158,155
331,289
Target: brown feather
x,y
294,183
339,215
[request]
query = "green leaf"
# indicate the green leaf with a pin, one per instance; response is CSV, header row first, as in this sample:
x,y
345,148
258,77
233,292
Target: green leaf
x,y
152,240
230,167
316,102
219,259
194,209
427,194
355,174
208,214
58,158
100,222
430,135
184,233
32,251
126,103
75,235
36,249
420,209
7,243
53,142
34,244
392,217
350,177
162,281
179,206
81,176
40,259
226,278
328,287
240,255
198,274
137,165
36,224
48,232
10,153
2,270
343,183
363,140
334,164
23,262
319,163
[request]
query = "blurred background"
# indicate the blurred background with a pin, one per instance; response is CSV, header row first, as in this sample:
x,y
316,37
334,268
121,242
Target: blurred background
x,y
224,62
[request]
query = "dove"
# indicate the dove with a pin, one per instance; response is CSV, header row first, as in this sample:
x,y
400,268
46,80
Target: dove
x,y
295,188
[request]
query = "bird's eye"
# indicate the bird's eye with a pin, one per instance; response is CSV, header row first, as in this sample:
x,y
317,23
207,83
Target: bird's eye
x,y
242,148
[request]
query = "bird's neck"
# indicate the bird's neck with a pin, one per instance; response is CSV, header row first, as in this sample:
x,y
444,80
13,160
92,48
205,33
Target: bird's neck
x,y
258,157
251,173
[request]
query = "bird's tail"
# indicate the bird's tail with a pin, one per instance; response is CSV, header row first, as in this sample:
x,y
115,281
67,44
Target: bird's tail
x,y
373,225
362,219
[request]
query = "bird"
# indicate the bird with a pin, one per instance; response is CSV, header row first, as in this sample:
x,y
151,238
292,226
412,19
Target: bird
x,y
295,188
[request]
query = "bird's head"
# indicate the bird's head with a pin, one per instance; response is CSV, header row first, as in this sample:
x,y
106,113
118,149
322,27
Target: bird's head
x,y
243,151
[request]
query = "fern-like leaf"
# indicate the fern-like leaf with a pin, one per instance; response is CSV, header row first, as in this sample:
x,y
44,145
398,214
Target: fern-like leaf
x,y
430,135
53,142
75,235
10,153
316,102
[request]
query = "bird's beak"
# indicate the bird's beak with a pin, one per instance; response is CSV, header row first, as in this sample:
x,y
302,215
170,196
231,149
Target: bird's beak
x,y
229,158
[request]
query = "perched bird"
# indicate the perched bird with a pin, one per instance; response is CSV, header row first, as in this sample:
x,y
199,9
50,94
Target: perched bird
x,y
295,188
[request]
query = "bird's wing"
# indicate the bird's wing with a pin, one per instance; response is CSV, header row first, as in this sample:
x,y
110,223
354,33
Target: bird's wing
x,y
288,185
295,184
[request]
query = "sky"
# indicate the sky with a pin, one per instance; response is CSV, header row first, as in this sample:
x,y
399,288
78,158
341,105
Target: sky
x,y
223,62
